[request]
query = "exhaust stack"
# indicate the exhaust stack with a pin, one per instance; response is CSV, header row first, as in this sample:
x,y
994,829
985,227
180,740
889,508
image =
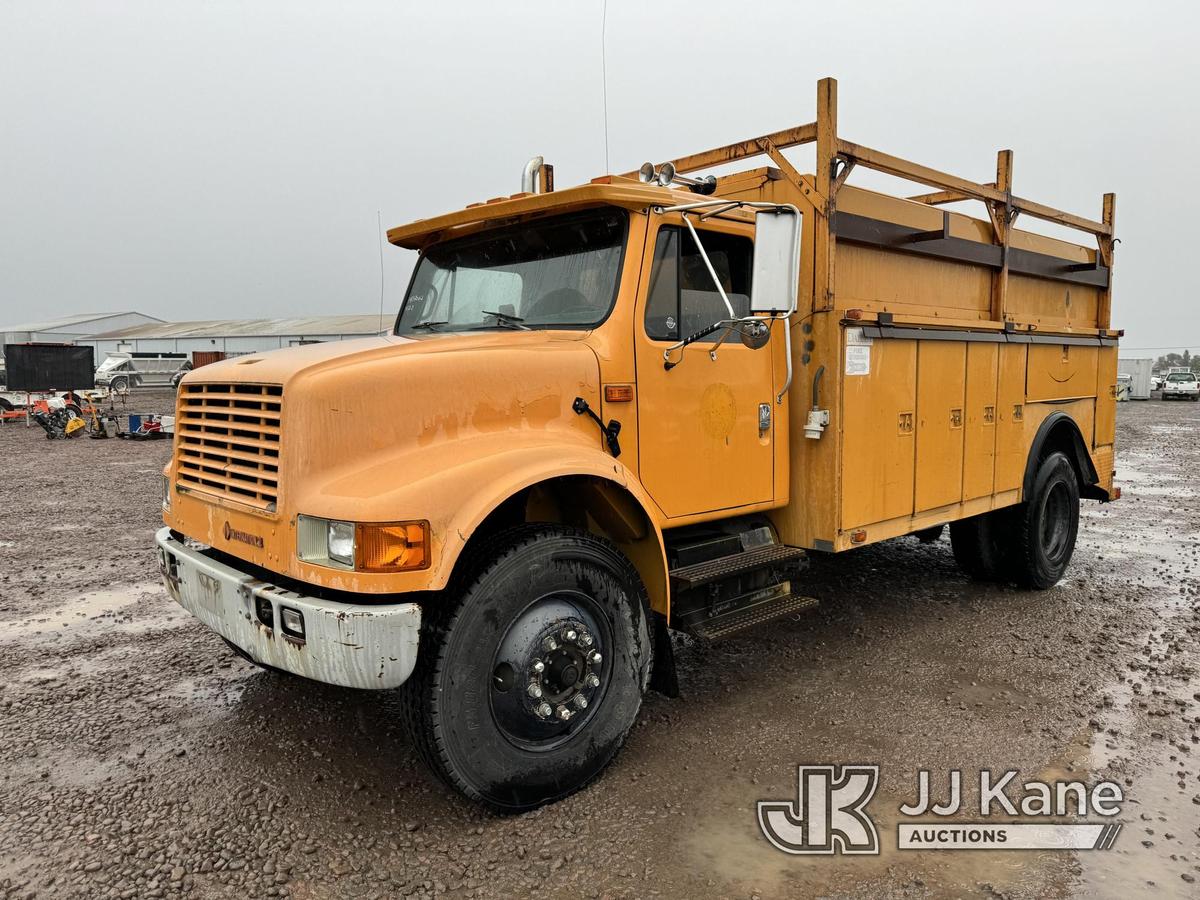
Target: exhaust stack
x,y
538,177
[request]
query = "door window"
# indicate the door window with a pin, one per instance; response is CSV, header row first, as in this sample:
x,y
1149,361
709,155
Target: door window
x,y
682,297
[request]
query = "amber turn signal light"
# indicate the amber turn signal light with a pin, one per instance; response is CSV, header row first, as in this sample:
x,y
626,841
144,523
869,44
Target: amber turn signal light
x,y
618,393
391,546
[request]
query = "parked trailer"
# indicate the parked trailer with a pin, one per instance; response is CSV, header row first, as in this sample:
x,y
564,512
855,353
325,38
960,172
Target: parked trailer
x,y
1139,371
636,405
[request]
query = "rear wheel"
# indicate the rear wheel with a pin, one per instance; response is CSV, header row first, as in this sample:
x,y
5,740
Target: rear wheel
x,y
980,544
119,385
1047,524
530,676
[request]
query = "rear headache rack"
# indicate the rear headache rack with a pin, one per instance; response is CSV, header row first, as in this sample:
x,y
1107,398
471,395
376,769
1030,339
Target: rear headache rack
x,y
228,445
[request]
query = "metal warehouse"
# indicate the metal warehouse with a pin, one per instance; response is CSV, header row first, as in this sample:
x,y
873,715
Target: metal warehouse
x,y
81,328
234,336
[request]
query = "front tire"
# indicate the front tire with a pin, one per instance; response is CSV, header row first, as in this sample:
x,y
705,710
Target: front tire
x,y
531,674
1047,524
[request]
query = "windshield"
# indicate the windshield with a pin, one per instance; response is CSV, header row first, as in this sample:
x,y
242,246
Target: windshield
x,y
1181,376
558,272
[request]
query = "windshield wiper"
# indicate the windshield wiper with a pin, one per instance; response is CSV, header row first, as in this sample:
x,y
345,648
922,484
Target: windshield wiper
x,y
507,320
429,325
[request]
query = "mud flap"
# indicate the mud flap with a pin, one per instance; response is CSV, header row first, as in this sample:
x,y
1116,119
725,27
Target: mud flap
x,y
663,678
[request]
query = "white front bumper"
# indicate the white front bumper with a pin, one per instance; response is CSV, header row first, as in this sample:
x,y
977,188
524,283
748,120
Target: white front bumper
x,y
349,644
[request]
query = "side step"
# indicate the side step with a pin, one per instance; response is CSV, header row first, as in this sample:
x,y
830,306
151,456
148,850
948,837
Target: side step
x,y
701,573
724,624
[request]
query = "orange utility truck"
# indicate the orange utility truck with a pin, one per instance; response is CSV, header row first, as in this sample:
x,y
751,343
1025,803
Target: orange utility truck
x,y
635,405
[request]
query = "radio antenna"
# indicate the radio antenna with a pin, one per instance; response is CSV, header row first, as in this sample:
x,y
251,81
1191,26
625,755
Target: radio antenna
x,y
379,241
604,76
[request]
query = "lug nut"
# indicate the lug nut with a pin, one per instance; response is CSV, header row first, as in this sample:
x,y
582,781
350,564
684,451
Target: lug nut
x,y
535,692
570,634
539,667
543,710
593,681
581,701
585,639
595,657
564,713
549,644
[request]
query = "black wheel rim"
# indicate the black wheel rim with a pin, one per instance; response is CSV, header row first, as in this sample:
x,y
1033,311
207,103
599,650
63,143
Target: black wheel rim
x,y
550,673
1056,518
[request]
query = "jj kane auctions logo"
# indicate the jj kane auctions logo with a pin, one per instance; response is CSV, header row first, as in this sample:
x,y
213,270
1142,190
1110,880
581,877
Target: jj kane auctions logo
x,y
829,814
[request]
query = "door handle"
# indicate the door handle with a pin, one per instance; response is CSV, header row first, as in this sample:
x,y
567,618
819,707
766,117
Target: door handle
x,y
764,418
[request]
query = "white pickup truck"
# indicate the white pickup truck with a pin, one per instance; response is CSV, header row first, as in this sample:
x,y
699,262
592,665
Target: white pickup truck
x,y
1181,386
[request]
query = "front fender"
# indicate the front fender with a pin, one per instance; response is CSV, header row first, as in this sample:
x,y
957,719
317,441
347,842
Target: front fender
x,y
458,494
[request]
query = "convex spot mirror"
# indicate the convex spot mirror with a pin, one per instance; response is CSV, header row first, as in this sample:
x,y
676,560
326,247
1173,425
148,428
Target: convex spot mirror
x,y
775,279
755,333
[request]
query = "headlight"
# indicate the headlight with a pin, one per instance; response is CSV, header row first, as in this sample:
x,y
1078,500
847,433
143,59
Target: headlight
x,y
339,542
363,546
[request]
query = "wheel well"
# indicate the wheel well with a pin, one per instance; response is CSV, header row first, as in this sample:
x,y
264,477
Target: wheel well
x,y
596,505
1060,433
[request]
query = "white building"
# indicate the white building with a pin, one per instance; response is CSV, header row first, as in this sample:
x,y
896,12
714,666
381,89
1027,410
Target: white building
x,y
72,329
235,336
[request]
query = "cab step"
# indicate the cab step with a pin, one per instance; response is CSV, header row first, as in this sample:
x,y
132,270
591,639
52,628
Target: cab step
x,y
712,570
740,618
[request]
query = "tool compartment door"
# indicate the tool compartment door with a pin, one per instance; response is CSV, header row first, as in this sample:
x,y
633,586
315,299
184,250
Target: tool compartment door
x,y
941,366
878,414
979,437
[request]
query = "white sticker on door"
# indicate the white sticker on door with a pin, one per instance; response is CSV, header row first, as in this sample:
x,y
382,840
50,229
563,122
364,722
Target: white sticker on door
x,y
858,359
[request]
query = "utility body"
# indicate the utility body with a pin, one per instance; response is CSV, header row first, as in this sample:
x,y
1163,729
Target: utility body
x,y
632,406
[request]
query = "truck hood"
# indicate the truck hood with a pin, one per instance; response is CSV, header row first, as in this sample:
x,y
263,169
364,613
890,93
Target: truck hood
x,y
282,366
356,413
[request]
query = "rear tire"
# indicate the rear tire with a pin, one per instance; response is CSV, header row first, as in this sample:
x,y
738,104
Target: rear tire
x,y
980,545
540,600
119,385
1047,524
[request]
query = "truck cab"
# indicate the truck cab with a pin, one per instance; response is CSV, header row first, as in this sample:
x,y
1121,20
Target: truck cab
x,y
627,407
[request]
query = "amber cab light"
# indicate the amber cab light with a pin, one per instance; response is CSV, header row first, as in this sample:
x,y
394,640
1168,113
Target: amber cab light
x,y
391,546
618,393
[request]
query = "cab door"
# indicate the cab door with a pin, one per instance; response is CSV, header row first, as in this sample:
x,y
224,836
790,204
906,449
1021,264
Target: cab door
x,y
705,427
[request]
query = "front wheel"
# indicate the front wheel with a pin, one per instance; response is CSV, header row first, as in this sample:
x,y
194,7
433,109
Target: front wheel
x,y
531,674
1047,524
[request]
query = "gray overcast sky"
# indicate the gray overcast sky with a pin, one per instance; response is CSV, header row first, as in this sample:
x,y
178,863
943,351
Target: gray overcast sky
x,y
200,160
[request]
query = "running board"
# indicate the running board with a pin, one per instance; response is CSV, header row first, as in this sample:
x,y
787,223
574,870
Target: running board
x,y
701,573
740,618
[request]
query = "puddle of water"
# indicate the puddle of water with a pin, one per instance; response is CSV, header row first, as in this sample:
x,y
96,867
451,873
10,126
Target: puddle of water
x,y
99,610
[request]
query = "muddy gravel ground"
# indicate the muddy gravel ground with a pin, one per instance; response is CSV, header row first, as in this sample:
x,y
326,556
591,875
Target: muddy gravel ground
x,y
140,758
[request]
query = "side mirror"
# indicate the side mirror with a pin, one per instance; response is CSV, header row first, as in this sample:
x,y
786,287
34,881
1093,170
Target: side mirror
x,y
775,280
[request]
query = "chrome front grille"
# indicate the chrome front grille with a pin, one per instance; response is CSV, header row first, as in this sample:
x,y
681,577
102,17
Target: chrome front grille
x,y
228,441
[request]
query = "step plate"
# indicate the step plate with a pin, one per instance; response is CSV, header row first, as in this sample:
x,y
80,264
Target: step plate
x,y
725,625
728,566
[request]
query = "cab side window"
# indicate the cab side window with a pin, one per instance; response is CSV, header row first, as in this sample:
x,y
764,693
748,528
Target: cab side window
x,y
682,297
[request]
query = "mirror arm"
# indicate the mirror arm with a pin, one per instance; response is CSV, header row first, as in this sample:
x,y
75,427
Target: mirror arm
x,y
690,339
787,354
708,264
